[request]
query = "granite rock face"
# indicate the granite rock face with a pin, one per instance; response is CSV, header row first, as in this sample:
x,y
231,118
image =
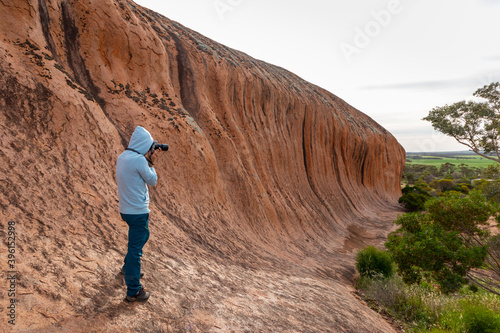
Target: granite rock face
x,y
270,184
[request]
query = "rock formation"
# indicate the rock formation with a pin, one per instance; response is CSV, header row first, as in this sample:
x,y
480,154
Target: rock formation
x,y
270,184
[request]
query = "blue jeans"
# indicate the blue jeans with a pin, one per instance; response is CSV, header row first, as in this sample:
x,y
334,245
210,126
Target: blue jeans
x,y
138,235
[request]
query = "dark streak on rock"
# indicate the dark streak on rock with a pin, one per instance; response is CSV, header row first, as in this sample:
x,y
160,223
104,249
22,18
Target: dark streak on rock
x,y
44,20
186,78
77,64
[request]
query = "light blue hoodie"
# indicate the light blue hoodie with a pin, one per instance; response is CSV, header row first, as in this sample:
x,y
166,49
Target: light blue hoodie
x,y
133,173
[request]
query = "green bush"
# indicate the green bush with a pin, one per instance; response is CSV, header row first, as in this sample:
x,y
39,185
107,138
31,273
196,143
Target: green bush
x,y
478,184
462,188
491,171
371,263
414,202
442,184
481,320
414,198
461,214
425,248
442,243
491,190
473,288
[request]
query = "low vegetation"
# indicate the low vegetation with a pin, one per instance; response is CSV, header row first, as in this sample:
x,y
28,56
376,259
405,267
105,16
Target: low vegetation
x,y
421,182
414,198
371,263
446,261
423,308
446,242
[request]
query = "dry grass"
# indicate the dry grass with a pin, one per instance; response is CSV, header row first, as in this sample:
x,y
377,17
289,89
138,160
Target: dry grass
x,y
422,308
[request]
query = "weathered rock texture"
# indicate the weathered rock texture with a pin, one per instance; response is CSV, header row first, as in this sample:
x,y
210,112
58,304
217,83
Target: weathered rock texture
x,y
270,184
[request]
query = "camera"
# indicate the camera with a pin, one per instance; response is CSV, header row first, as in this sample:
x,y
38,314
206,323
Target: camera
x,y
157,145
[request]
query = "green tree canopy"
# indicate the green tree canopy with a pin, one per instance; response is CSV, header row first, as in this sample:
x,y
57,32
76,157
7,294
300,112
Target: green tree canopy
x,y
446,242
473,124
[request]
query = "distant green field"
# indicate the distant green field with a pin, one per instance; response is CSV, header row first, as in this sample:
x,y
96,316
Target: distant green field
x,y
471,161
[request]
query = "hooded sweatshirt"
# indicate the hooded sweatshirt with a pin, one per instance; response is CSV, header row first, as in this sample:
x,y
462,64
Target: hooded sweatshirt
x,y
133,173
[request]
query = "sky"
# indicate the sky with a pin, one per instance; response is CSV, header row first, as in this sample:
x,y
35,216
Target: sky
x,y
394,60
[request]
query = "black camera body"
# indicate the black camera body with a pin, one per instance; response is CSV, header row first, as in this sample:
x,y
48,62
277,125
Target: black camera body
x,y
160,146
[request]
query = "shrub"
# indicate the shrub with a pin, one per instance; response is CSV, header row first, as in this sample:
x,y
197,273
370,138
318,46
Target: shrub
x,y
473,288
464,215
463,188
371,262
385,292
420,308
480,320
414,198
426,247
492,171
478,184
414,202
445,243
491,190
407,303
443,184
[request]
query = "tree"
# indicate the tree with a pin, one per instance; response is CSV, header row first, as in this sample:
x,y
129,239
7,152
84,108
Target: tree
x,y
468,172
491,171
410,177
446,169
414,198
491,191
473,124
443,184
446,243
419,170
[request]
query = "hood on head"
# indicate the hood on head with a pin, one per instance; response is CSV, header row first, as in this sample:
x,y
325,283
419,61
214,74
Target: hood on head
x,y
141,140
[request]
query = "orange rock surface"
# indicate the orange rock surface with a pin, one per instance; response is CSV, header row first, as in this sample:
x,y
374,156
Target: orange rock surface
x,y
269,187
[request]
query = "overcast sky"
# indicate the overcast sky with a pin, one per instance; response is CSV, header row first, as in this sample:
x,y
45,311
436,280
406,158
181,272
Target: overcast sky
x,y
394,60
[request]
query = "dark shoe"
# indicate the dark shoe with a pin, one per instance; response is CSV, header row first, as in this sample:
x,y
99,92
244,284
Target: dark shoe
x,y
122,272
142,295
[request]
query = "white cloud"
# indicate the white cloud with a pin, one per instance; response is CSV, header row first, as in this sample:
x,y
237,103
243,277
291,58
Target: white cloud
x,y
429,54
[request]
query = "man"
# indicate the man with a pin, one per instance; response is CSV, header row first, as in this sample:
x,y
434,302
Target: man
x,y
134,171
